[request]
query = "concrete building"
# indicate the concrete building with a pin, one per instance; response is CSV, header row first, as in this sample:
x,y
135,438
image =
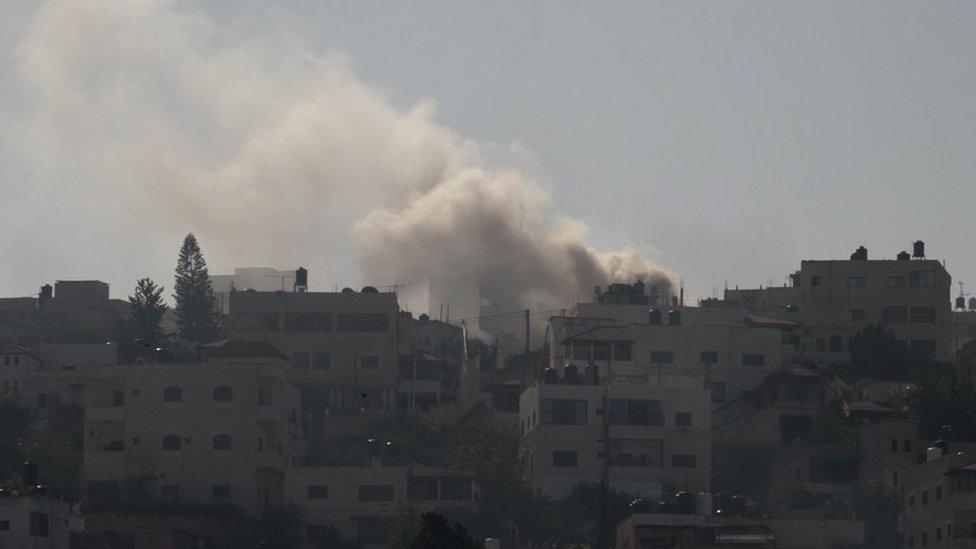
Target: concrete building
x,y
37,521
217,431
261,279
939,501
73,311
363,503
887,446
653,439
834,299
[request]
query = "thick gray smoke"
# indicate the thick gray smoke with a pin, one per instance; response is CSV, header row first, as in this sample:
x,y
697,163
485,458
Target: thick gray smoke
x,y
140,121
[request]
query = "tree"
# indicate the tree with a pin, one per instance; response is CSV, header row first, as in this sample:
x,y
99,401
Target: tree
x,y
939,400
437,533
876,354
195,312
148,309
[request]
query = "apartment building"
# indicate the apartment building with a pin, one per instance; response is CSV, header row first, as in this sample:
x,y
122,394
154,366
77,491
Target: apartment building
x,y
35,520
344,346
888,446
72,311
363,503
261,279
833,299
217,431
938,500
653,439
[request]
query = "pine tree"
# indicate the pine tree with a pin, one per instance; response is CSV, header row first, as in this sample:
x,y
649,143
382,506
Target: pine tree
x,y
195,312
148,309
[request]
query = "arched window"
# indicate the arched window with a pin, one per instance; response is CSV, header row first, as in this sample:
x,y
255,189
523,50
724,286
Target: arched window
x,y
223,393
172,442
173,394
836,343
221,442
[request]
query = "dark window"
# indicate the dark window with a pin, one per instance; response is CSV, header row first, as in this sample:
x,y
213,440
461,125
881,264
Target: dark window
x,y
375,492
683,460
857,315
896,281
894,445
221,442
300,361
321,361
172,394
223,393
601,350
662,357
925,539
38,524
4,525
718,389
623,351
923,314
115,446
220,491
921,279
308,322
563,412
938,493
855,282
370,361
821,344
172,442
118,398
836,343
894,314
317,491
815,280
363,322
455,489
753,360
635,412
709,357
564,458
682,419
911,500
925,497
938,534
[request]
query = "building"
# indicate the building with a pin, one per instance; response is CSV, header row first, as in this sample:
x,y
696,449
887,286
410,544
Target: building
x,y
835,298
73,311
938,500
219,431
261,279
35,520
888,446
651,439
363,503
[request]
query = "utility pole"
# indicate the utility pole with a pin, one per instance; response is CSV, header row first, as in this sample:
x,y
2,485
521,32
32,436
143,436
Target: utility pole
x,y
527,333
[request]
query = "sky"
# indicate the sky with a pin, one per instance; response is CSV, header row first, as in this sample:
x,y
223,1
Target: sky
x,y
721,142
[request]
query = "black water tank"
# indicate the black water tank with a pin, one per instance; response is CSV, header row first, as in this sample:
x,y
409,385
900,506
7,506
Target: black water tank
x,y
549,375
369,290
918,249
972,303
674,317
301,277
860,254
904,256
654,317
47,292
960,302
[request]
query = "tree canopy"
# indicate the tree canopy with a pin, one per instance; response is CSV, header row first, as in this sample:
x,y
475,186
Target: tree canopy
x,y
196,314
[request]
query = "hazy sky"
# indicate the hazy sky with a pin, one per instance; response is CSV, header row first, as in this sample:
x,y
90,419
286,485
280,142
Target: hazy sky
x,y
725,141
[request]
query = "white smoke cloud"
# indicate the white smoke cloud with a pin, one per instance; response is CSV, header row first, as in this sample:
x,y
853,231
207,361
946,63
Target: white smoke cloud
x,y
141,121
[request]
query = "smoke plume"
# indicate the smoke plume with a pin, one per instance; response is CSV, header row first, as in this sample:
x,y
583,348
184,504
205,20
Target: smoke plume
x,y
137,122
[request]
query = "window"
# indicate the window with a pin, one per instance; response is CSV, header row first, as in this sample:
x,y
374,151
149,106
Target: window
x,y
172,442
836,344
308,322
718,389
115,446
636,453
623,351
683,460
662,357
938,493
753,360
316,491
601,350
816,280
911,500
223,393
894,478
857,315
709,357
896,281
363,322
682,419
375,492
4,525
118,398
321,361
821,345
455,489
221,442
636,412
173,394
220,491
921,279
894,445
938,533
925,497
855,282
38,524
923,315
563,458
894,315
300,361
370,361
563,412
